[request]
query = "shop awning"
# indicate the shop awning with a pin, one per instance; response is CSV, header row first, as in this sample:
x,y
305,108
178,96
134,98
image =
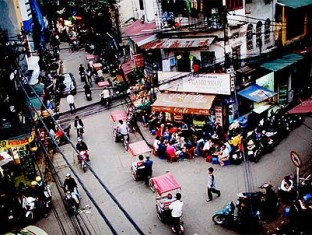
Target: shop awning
x,y
5,158
282,62
262,108
179,43
304,108
257,93
295,3
183,103
140,33
128,67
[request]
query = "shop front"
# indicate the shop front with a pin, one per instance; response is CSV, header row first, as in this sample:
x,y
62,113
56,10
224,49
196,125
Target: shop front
x,y
286,73
256,101
195,108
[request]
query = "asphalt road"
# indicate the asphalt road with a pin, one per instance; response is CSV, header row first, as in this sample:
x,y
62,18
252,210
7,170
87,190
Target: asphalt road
x,y
111,164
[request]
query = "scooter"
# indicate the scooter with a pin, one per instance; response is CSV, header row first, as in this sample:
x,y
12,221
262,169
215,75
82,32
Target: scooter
x,y
247,217
83,158
72,202
254,151
88,93
83,76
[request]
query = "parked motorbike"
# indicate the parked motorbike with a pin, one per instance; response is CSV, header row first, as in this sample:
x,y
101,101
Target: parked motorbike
x,y
236,157
83,76
83,158
247,216
74,43
88,92
33,209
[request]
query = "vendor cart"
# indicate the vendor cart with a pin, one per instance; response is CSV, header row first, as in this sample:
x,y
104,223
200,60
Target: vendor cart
x,y
137,165
165,187
116,116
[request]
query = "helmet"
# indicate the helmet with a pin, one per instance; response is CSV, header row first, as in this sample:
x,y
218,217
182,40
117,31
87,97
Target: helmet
x,y
34,183
79,139
68,175
38,179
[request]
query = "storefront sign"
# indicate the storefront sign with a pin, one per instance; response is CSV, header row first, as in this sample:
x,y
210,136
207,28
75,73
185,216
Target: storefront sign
x,y
266,81
6,144
218,114
205,84
138,60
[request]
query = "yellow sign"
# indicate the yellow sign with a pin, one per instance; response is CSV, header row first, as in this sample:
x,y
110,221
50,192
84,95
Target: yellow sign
x,y
6,144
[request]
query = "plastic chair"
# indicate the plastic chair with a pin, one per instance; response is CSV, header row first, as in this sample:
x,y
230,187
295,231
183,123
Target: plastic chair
x,y
215,160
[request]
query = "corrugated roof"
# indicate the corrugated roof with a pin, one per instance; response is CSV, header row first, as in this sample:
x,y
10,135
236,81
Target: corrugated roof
x,y
282,62
296,3
137,28
179,43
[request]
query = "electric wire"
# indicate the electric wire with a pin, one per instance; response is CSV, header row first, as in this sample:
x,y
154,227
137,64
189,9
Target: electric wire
x,y
71,168
93,172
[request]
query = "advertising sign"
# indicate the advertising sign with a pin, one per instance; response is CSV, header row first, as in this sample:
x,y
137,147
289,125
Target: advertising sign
x,y
213,83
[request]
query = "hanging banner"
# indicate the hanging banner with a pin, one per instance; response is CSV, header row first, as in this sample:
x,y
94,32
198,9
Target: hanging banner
x,y
6,144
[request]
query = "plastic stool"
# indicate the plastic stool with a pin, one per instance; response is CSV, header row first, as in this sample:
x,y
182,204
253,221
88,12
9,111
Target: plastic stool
x,y
215,160
209,158
153,132
226,163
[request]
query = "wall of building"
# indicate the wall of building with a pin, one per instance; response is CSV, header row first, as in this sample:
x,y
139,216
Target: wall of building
x,y
8,19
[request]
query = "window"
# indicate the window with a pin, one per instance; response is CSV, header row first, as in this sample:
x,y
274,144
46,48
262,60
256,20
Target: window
x,y
249,37
207,58
234,4
141,4
267,31
259,35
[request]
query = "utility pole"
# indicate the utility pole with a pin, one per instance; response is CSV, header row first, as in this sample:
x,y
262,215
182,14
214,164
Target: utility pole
x,y
227,59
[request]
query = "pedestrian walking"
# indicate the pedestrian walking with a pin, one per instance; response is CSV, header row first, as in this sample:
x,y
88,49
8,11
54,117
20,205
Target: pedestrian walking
x,y
211,185
71,102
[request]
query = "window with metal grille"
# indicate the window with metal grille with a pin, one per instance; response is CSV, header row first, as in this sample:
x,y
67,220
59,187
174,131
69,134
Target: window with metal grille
x,y
234,4
267,31
259,34
249,37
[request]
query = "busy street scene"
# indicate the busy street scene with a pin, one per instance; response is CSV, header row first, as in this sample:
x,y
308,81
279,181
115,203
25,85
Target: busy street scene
x,y
155,117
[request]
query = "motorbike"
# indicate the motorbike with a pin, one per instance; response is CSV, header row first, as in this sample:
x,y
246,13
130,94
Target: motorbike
x,y
83,158
33,208
72,202
247,216
88,92
74,44
254,151
83,76
56,53
236,157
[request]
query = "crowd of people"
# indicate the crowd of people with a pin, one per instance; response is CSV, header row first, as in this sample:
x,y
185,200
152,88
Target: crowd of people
x,y
181,140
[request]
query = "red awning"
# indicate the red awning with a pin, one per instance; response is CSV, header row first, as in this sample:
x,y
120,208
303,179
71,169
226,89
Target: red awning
x,y
138,148
128,67
165,183
138,31
118,115
178,43
183,103
304,108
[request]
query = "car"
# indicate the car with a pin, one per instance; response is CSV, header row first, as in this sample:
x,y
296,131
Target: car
x,y
69,84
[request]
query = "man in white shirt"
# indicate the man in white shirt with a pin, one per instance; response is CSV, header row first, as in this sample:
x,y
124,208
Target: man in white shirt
x,y
71,102
122,128
224,155
176,212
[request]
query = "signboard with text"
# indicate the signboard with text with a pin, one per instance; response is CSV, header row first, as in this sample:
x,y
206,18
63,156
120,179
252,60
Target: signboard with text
x,y
213,83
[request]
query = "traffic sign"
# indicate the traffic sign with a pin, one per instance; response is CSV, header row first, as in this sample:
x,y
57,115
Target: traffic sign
x,y
295,159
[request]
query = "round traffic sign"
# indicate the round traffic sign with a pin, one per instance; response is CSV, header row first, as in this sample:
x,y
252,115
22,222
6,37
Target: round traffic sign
x,y
295,159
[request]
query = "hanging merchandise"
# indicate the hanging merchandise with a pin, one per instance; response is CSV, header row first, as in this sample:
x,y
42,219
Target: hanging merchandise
x,y
188,6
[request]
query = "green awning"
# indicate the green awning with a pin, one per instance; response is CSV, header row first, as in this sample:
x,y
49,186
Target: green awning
x,y
282,62
296,3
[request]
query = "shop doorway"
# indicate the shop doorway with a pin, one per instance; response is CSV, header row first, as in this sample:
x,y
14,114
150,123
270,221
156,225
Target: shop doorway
x,y
183,61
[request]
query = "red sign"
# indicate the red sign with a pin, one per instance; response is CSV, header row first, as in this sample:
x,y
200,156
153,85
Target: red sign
x,y
138,60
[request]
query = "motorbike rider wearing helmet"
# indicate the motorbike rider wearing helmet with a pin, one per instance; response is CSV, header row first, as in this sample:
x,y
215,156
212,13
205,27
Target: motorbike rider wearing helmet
x,y
82,146
69,183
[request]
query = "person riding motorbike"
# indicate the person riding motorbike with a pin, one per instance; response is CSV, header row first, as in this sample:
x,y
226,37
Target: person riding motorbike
x,y
176,212
122,128
70,184
78,124
81,146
